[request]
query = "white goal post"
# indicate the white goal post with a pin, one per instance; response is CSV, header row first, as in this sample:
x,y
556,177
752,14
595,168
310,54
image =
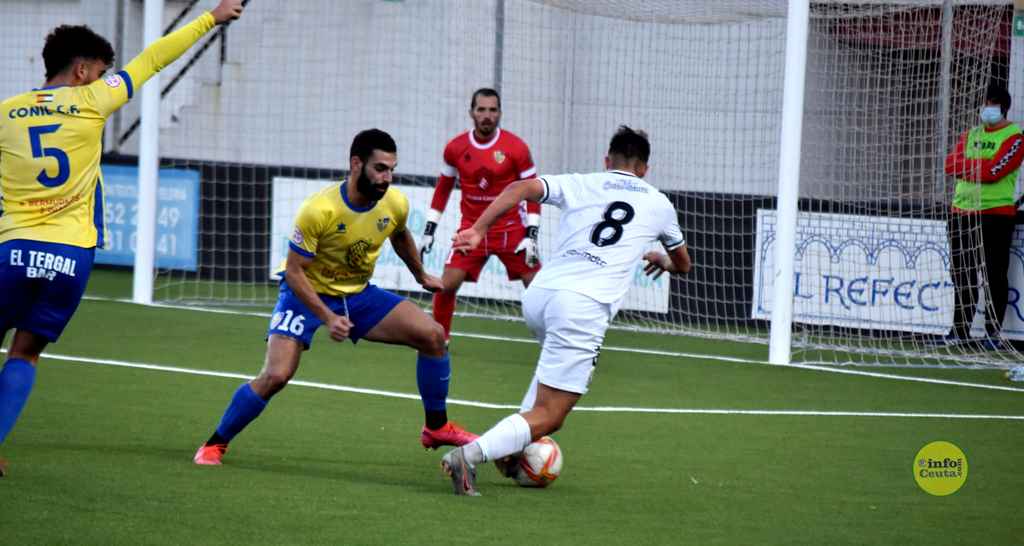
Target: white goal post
x,y
802,143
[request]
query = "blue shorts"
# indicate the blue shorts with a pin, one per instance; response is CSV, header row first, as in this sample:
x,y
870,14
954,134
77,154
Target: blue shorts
x,y
41,285
293,319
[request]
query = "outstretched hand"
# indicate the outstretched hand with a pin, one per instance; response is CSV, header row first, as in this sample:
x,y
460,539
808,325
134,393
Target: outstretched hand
x,y
466,240
227,10
431,283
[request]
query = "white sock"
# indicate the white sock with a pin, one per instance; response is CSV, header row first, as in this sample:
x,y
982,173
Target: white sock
x,y
509,436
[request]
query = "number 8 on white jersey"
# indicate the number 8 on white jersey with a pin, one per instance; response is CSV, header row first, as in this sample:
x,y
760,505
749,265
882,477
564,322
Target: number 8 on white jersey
x,y
608,220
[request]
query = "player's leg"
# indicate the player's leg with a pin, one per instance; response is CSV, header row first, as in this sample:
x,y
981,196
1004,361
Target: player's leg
x,y
17,377
252,397
997,234
458,269
574,330
406,324
38,301
534,303
505,440
575,327
444,300
963,271
291,330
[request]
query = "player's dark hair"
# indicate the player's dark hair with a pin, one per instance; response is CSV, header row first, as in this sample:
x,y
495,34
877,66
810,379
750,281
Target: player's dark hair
x,y
66,43
484,92
998,94
630,144
369,140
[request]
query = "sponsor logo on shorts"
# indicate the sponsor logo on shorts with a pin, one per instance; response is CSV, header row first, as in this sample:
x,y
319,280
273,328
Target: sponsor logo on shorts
x,y
43,265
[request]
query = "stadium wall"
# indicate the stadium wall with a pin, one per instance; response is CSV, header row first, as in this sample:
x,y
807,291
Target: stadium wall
x,y
299,82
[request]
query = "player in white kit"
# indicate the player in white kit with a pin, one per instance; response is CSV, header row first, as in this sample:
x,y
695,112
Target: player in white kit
x,y
608,220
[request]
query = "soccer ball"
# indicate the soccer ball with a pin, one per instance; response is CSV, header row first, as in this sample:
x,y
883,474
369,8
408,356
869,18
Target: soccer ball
x,y
540,463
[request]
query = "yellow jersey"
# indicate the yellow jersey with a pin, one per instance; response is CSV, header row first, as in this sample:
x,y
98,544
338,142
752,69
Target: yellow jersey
x,y
51,142
343,239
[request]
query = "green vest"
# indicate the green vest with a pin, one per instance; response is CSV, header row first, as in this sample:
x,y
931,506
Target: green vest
x,y
982,144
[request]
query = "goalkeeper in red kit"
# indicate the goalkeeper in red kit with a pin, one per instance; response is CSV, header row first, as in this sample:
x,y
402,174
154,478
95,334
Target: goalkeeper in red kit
x,y
486,160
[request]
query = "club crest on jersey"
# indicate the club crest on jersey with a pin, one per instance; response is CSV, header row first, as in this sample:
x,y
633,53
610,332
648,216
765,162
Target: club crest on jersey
x,y
499,156
484,183
112,80
297,237
357,256
382,223
342,228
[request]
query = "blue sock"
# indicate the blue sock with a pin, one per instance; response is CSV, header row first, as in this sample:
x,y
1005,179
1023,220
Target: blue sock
x,y
245,406
432,377
16,381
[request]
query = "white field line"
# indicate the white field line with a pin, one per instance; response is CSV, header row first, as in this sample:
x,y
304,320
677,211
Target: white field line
x,y
633,350
478,404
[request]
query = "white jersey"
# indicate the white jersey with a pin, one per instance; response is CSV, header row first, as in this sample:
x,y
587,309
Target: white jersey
x,y
608,220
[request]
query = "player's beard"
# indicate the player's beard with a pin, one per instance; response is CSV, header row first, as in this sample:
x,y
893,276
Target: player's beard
x,y
486,130
371,191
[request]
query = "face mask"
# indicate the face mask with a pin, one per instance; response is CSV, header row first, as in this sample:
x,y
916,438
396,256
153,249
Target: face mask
x,y
366,187
990,115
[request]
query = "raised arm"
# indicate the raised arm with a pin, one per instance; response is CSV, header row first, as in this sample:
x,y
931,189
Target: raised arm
x,y
523,190
112,92
166,50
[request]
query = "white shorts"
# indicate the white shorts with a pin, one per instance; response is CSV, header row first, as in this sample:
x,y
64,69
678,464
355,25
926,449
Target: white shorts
x,y
570,328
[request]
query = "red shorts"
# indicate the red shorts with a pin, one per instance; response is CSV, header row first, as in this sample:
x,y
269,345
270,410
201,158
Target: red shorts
x,y
503,245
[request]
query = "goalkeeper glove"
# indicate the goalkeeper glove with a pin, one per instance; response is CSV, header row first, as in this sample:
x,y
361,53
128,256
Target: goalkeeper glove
x,y
528,246
427,242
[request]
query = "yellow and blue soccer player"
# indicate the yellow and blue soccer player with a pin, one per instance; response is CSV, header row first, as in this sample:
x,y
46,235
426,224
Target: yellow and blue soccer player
x,y
339,232
52,213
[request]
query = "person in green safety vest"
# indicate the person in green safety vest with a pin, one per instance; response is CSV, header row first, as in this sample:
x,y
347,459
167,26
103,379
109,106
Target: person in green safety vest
x,y
983,216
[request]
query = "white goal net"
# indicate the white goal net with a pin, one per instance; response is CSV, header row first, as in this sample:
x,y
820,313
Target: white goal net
x,y
265,115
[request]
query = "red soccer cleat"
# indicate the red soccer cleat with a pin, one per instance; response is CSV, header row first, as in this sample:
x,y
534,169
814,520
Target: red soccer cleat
x,y
448,435
210,454
3,468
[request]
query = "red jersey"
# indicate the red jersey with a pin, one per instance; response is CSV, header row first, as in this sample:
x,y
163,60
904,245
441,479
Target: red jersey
x,y
484,170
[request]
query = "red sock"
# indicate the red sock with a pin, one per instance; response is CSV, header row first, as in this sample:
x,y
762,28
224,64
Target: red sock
x,y
444,308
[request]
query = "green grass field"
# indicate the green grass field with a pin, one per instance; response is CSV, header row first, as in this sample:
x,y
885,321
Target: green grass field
x,y
102,453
